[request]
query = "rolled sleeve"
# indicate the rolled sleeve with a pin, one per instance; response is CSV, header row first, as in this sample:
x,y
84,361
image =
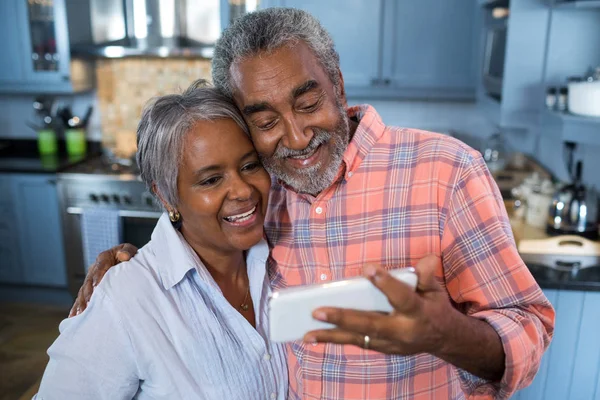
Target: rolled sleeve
x,y
92,358
487,279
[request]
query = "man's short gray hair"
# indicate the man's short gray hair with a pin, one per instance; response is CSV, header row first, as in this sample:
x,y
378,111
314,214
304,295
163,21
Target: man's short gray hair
x,y
161,133
268,30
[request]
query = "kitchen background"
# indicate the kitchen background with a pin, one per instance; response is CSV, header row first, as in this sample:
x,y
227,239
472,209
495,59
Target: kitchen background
x,y
518,80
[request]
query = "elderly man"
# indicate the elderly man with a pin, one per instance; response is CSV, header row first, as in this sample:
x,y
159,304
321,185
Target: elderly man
x,y
352,196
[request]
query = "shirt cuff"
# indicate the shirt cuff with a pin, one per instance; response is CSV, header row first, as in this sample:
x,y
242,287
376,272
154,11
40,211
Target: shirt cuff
x,y
523,345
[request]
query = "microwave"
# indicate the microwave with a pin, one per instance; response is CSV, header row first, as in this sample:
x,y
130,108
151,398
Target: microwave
x,y
494,55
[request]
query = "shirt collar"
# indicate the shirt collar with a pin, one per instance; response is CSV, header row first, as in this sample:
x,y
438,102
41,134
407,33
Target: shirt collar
x,y
176,257
368,132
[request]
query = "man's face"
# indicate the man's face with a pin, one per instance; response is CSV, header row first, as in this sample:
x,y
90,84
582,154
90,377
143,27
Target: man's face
x,y
296,117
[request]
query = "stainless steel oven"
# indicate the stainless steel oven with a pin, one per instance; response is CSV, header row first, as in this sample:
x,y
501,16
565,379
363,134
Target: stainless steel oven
x,y
86,188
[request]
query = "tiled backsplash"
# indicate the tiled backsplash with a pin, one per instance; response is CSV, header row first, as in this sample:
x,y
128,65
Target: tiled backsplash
x,y
126,85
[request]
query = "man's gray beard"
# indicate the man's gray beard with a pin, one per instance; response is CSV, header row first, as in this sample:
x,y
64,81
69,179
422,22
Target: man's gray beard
x,y
308,180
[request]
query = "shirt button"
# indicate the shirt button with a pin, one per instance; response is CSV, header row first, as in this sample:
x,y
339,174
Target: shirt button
x,y
323,277
273,395
319,210
267,357
350,174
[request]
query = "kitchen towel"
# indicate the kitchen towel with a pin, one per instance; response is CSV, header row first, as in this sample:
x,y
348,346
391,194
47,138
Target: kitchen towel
x,y
100,230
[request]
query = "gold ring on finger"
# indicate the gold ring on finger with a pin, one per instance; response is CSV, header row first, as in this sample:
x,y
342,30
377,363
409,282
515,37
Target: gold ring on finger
x,y
367,341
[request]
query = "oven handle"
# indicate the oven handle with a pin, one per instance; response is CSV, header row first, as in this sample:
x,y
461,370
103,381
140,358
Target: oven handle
x,y
122,213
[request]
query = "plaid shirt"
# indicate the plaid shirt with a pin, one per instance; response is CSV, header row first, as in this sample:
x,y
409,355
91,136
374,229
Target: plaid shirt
x,y
402,194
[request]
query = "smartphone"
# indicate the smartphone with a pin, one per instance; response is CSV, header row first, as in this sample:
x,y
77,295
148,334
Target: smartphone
x,y
290,310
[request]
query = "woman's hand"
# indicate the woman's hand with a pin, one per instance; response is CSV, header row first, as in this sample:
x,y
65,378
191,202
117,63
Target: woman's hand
x,y
105,261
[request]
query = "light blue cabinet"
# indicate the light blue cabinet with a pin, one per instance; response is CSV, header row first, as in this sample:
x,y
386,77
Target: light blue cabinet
x,y
36,55
38,229
429,47
9,254
570,368
417,49
11,64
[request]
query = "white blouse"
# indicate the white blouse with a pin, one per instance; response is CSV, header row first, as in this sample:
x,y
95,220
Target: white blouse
x,y
159,327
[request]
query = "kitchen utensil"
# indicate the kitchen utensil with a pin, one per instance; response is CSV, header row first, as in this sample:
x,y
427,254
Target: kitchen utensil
x,y
47,142
75,141
564,253
574,209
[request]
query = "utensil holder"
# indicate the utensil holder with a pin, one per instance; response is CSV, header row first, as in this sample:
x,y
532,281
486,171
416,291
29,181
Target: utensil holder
x,y
76,142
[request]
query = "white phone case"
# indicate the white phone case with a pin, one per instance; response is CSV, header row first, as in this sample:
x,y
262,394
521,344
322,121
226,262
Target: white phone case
x,y
290,310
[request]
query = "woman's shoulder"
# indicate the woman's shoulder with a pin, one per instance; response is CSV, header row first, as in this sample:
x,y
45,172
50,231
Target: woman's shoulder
x,y
130,279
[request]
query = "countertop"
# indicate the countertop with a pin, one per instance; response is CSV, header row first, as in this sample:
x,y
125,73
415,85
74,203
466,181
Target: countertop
x,y
22,156
587,279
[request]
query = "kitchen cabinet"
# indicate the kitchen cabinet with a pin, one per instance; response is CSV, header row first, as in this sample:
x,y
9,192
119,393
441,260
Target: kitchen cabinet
x,y
570,368
9,254
418,49
36,50
38,229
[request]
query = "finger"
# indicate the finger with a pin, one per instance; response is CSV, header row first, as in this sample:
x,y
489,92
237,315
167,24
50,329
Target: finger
x,y
339,336
401,296
87,290
126,252
426,270
360,322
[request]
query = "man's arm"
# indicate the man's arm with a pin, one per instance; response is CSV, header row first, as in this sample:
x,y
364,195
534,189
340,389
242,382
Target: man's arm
x,y
485,280
105,261
423,322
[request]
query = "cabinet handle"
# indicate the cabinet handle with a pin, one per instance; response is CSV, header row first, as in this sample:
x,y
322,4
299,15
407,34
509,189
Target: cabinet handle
x,y
52,182
387,81
376,82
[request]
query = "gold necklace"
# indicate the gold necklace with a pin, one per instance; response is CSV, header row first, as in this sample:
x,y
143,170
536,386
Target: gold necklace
x,y
245,306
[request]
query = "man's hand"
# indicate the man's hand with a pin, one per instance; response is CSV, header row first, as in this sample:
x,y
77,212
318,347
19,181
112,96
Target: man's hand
x,y
105,261
414,325
422,322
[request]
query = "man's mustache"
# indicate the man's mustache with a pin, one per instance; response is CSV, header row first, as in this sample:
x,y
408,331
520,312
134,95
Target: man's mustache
x,y
320,136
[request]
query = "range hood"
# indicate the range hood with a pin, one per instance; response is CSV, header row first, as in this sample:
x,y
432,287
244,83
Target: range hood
x,y
156,28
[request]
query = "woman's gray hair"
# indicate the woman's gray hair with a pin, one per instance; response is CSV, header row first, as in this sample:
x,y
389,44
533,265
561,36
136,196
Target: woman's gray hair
x,y
161,133
268,30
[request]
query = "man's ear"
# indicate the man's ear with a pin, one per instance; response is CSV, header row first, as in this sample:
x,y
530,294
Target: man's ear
x,y
342,90
166,205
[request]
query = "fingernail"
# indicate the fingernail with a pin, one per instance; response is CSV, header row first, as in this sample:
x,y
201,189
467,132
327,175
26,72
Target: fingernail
x,y
370,271
320,315
310,340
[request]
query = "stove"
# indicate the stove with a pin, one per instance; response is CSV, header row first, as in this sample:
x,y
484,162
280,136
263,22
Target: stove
x,y
96,187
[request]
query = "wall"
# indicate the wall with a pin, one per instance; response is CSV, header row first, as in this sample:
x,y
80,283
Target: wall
x,y
126,85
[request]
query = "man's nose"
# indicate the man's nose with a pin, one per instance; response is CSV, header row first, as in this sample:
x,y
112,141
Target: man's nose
x,y
296,136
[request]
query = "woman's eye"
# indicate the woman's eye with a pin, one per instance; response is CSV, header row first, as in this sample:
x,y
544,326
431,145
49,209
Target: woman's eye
x,y
251,166
210,181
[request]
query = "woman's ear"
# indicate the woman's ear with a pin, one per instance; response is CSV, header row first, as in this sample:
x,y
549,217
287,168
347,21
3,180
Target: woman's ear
x,y
166,205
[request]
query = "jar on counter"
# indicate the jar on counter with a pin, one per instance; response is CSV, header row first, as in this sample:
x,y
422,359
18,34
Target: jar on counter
x,y
551,98
562,100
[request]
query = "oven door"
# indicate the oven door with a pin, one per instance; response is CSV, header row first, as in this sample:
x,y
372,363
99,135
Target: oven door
x,y
136,228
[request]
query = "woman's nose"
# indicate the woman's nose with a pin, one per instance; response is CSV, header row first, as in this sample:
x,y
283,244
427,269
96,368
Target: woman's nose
x,y
240,189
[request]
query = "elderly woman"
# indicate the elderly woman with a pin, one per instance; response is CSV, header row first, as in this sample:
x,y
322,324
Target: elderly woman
x,y
189,322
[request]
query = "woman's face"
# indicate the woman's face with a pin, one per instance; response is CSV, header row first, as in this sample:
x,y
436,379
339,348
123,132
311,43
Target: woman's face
x,y
223,189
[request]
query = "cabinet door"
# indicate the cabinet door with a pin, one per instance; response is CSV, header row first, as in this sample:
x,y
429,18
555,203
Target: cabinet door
x,y
36,35
570,368
430,47
11,63
10,272
355,26
39,229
